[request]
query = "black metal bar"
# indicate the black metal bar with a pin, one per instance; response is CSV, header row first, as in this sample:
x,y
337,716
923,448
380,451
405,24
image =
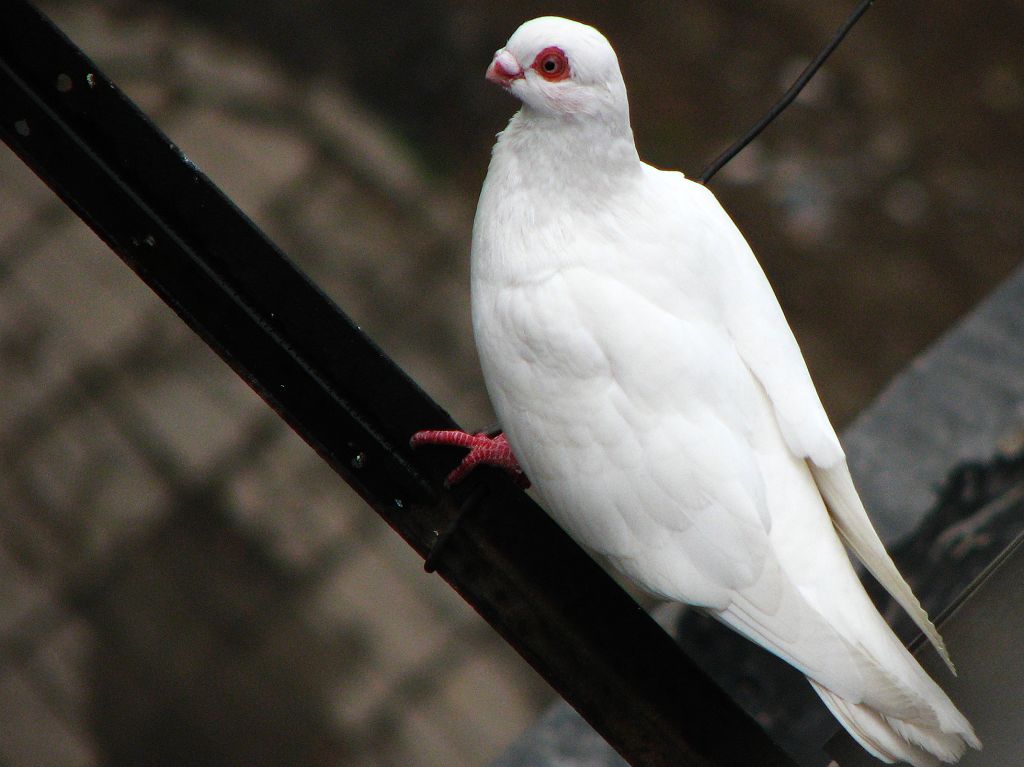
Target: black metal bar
x,y
170,224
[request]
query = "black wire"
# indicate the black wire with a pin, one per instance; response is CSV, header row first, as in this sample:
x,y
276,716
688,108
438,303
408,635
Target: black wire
x,y
788,96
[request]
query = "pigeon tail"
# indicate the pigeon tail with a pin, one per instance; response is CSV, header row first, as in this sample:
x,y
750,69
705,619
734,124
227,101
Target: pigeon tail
x,y
894,741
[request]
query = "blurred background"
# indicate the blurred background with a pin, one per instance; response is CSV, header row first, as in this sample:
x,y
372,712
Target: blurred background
x,y
181,580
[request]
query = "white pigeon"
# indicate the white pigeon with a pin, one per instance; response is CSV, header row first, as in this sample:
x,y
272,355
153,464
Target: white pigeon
x,y
652,391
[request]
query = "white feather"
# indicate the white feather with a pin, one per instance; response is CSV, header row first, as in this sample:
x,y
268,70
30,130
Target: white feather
x,y
653,392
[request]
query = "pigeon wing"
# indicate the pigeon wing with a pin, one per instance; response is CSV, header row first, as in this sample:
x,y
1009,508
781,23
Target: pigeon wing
x,y
765,341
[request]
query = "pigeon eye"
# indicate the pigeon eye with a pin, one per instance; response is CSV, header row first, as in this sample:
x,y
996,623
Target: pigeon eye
x,y
552,64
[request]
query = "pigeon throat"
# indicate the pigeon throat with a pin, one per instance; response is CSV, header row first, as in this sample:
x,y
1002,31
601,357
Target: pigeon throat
x,y
570,151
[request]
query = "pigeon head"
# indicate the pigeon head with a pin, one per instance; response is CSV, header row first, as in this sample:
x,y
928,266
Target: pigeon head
x,y
560,67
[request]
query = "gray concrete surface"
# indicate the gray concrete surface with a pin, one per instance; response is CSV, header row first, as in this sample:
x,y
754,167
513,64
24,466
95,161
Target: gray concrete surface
x,y
182,581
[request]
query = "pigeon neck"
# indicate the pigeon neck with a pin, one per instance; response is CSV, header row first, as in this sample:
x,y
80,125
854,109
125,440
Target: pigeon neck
x,y
583,151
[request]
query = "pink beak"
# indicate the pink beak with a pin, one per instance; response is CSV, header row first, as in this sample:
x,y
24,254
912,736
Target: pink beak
x,y
504,69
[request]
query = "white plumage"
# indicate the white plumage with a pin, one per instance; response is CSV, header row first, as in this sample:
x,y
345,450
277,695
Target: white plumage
x,y
653,392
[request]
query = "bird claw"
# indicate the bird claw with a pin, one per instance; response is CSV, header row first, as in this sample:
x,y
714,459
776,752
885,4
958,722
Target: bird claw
x,y
483,450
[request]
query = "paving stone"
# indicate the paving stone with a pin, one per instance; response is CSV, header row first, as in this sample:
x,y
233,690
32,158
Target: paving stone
x,y
366,143
85,481
356,701
218,73
150,617
154,98
21,594
32,734
494,695
107,33
404,632
353,243
42,356
22,196
290,501
28,537
420,740
36,356
89,291
248,160
473,715
62,665
375,592
198,412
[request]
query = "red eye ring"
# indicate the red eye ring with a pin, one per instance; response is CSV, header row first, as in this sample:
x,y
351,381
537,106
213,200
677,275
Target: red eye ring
x,y
552,64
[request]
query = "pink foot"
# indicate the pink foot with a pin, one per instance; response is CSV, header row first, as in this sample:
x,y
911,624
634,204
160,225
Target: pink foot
x,y
483,449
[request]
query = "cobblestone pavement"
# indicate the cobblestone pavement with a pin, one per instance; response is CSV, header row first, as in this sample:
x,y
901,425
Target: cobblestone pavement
x,y
182,581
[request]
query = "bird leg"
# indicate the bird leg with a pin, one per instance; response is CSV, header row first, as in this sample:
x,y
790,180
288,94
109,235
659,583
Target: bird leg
x,y
483,450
